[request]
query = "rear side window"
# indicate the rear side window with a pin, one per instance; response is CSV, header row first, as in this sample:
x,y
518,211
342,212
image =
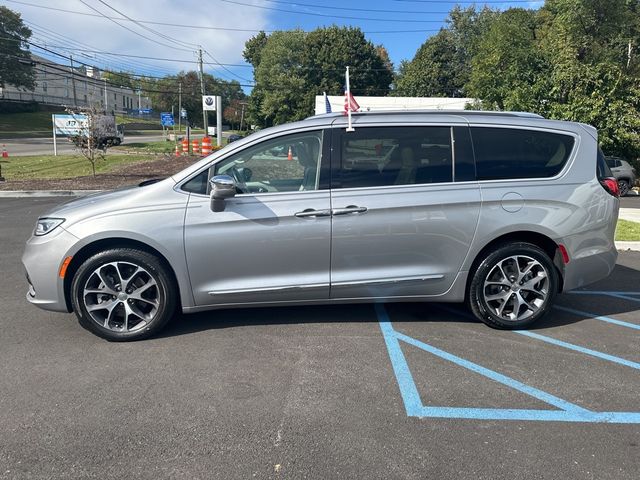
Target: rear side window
x,y
509,153
602,166
380,156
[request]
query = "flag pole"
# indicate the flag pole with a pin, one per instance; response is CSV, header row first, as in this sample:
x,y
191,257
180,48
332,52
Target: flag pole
x,y
350,127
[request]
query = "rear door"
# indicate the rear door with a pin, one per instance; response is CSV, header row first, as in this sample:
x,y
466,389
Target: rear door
x,y
405,208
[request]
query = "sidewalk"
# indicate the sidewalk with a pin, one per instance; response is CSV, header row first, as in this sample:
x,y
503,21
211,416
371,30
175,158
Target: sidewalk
x,y
631,214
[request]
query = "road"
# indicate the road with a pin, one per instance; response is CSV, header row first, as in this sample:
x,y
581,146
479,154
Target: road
x,y
351,391
18,147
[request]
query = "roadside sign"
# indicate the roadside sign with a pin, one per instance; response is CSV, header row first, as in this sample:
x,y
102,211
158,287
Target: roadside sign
x,y
183,113
70,125
208,102
166,119
145,111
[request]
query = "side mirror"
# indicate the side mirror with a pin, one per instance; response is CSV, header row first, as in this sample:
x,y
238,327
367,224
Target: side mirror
x,y
222,187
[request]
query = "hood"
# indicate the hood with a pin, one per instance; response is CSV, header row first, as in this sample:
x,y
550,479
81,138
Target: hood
x,y
110,201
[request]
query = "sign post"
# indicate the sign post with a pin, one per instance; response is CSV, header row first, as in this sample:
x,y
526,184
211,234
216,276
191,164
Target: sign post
x,y
214,103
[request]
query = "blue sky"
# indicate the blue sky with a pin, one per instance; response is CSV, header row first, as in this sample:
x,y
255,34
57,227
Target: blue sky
x,y
79,27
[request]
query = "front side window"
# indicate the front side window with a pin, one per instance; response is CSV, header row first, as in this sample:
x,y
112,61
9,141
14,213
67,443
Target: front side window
x,y
380,156
290,163
509,153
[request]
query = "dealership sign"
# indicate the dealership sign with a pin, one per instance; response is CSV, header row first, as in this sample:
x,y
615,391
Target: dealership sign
x,y
208,102
70,125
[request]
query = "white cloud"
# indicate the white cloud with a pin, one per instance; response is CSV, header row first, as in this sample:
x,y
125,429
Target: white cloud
x,y
104,35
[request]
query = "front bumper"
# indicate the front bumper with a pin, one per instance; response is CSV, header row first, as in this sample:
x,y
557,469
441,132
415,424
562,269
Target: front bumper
x,y
42,259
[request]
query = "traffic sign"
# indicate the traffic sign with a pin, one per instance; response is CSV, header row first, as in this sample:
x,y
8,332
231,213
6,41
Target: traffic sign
x,y
183,113
166,119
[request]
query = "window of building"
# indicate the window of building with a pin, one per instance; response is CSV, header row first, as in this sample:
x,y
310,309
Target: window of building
x,y
506,153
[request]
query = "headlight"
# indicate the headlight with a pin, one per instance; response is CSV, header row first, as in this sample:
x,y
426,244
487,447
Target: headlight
x,y
45,225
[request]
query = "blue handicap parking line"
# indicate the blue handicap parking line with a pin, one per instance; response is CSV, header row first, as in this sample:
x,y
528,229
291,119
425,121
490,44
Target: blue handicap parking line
x,y
560,343
568,412
600,318
616,294
578,348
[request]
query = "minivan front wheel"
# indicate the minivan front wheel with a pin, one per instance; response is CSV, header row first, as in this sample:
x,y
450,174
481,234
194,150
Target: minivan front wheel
x,y
513,286
123,294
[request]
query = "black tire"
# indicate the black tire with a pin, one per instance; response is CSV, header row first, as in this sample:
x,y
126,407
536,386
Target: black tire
x,y
157,300
623,187
502,256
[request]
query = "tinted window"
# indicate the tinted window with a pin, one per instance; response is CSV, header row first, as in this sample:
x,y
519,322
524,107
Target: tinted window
x,y
197,184
372,157
503,153
602,167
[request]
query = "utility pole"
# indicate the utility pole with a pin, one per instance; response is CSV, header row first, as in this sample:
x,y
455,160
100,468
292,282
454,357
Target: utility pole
x,y
73,82
179,107
106,100
139,102
242,115
204,112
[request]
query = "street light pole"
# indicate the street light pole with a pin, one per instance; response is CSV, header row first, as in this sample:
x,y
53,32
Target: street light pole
x,y
179,107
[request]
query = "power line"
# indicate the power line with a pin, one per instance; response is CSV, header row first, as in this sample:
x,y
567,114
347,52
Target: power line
x,y
370,10
166,37
85,48
131,30
341,17
206,27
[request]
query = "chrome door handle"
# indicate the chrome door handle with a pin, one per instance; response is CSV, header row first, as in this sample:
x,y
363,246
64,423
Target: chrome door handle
x,y
349,209
310,212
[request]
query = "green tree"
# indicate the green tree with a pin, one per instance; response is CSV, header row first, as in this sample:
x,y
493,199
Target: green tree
x,y
509,69
594,76
441,66
292,67
164,92
429,74
16,66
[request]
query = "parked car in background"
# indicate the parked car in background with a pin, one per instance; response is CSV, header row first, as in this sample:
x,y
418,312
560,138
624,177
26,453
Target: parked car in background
x,y
624,173
498,210
233,137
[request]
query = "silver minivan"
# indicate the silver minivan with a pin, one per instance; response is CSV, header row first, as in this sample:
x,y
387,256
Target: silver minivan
x,y
499,210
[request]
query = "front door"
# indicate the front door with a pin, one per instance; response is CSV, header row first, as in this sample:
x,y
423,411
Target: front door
x,y
272,242
405,210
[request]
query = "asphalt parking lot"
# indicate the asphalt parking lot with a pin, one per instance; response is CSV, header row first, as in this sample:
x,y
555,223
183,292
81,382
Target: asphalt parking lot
x,y
360,391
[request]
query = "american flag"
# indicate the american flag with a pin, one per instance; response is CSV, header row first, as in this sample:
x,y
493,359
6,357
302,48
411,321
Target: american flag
x,y
327,105
350,102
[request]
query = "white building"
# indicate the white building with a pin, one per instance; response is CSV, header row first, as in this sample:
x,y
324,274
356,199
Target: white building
x,y
393,103
57,85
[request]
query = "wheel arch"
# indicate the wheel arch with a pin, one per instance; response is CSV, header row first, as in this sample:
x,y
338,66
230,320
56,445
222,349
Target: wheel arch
x,y
541,240
97,246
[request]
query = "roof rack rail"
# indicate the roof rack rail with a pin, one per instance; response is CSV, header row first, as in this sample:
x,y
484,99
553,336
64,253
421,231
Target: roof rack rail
x,y
432,111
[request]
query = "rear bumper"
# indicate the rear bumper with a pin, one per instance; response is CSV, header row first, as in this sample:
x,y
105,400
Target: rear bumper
x,y
589,269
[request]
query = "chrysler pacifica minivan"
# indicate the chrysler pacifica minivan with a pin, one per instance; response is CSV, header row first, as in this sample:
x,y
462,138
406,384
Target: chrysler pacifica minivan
x,y
498,210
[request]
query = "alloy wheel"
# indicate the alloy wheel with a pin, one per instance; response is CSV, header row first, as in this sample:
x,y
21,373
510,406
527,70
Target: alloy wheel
x,y
516,288
121,296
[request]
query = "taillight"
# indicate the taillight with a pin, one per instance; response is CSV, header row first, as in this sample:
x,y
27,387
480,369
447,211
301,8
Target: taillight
x,y
611,185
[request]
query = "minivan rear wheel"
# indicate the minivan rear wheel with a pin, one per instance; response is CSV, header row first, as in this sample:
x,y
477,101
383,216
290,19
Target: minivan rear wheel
x,y
123,294
513,286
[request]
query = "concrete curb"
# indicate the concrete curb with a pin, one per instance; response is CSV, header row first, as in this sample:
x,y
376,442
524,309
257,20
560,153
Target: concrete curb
x,y
635,246
45,193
